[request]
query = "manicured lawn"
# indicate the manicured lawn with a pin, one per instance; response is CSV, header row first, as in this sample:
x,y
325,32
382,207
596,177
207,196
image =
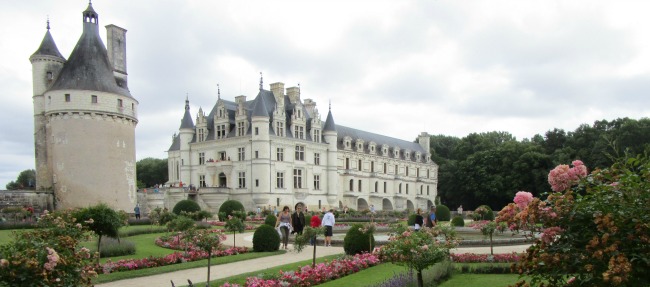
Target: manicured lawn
x,y
241,279
6,235
368,277
144,247
480,280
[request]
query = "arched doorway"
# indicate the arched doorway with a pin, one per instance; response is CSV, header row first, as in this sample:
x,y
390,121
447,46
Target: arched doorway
x,y
410,206
362,204
386,204
429,204
222,180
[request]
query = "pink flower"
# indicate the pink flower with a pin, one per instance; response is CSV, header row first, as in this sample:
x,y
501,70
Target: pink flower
x,y
523,198
562,177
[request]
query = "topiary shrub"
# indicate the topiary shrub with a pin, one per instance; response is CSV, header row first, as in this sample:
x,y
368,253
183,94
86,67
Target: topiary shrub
x,y
181,223
266,239
111,247
483,212
186,205
458,221
442,213
411,219
229,207
270,220
356,241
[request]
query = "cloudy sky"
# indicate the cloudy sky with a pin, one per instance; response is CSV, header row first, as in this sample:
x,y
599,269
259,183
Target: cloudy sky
x,y
391,67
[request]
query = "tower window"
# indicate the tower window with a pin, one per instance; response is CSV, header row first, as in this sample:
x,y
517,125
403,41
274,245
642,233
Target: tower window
x,y
50,76
120,103
67,98
93,99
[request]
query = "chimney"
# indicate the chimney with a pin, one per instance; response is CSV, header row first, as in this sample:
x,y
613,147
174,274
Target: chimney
x,y
294,94
278,93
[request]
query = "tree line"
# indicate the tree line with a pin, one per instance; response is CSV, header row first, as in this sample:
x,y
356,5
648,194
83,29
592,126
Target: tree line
x,y
489,168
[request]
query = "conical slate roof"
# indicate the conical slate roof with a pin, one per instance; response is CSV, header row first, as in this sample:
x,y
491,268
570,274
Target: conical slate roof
x,y
329,123
88,67
48,47
186,122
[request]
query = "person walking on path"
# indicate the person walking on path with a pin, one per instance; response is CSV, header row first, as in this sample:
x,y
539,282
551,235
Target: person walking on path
x,y
419,220
285,225
298,220
460,211
315,223
328,222
431,218
137,211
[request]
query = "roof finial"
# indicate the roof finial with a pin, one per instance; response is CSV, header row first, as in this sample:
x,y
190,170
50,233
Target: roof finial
x,y
187,101
261,81
218,92
48,22
330,105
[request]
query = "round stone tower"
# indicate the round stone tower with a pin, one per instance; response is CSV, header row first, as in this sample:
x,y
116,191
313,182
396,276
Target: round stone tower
x,y
85,120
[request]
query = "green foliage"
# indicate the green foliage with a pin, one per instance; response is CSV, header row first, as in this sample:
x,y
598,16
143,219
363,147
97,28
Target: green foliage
x,y
411,219
234,224
186,205
229,208
357,241
181,223
100,219
266,239
458,221
483,212
270,220
26,180
112,247
151,171
38,257
197,215
442,212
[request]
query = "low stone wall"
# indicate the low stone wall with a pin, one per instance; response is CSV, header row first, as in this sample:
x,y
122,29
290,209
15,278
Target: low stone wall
x,y
39,200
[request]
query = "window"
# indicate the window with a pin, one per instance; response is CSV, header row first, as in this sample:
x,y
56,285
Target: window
x,y
384,187
299,132
407,171
241,153
385,168
120,104
300,152
427,173
297,178
222,155
352,185
427,190
257,182
202,181
317,182
257,131
221,131
376,186
279,129
317,136
50,76
400,188
93,99
279,154
359,186
242,179
201,158
359,166
347,163
317,159
417,172
241,129
132,106
396,169
279,179
407,188
372,166
67,98
257,154
201,135
421,189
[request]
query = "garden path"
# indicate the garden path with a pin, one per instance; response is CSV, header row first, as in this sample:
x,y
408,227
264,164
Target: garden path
x,y
236,268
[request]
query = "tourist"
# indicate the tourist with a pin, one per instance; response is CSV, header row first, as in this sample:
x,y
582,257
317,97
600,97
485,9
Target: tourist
x,y
298,220
137,211
315,223
328,222
419,220
460,210
431,218
284,224
372,208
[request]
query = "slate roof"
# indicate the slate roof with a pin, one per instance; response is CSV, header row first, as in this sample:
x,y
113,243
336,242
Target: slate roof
x,y
379,140
48,47
329,123
88,67
186,122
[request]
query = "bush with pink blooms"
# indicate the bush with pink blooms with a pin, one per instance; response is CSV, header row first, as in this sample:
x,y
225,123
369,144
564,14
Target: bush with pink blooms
x,y
485,258
321,273
593,231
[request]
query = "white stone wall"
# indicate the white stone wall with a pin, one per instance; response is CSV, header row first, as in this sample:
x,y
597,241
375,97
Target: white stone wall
x,y
81,100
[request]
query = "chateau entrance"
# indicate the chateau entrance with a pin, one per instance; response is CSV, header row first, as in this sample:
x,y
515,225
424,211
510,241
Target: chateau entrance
x,y
222,180
386,204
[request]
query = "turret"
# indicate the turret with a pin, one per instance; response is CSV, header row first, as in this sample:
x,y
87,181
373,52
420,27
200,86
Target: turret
x,y
260,141
425,142
330,136
186,134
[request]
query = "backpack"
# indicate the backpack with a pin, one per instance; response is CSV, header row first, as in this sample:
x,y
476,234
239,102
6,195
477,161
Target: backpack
x,y
430,219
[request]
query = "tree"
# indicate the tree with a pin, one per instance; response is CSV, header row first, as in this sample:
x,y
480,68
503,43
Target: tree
x,y
151,171
102,220
206,240
234,224
26,180
309,234
418,250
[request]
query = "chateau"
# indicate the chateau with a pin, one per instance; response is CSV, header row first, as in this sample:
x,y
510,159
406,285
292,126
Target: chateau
x,y
275,150
84,119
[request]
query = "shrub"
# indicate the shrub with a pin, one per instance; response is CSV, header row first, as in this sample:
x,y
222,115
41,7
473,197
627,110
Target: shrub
x,y
442,213
270,220
187,206
411,219
138,231
102,220
181,223
483,212
112,247
265,239
229,207
197,215
143,221
356,241
458,221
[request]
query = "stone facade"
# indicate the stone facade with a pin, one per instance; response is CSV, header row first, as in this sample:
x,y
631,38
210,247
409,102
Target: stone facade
x,y
84,120
274,150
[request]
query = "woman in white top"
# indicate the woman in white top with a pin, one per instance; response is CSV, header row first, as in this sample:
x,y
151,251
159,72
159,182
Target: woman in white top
x,y
284,223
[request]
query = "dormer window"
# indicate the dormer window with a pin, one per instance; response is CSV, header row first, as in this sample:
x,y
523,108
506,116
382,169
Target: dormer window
x,y
396,153
418,156
347,142
384,150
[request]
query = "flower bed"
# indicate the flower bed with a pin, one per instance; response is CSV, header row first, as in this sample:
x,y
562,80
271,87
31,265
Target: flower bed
x,y
223,223
485,258
174,258
177,241
322,272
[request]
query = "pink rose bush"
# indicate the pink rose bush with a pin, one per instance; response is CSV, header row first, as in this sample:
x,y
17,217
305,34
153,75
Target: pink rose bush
x,y
179,241
485,258
309,276
562,177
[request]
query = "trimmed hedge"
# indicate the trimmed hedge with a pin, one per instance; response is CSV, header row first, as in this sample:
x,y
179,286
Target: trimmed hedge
x,y
270,220
411,219
186,205
442,213
458,221
229,207
356,242
266,239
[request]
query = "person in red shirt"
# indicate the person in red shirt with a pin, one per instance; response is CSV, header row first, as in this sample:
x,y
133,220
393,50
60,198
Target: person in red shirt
x,y
315,223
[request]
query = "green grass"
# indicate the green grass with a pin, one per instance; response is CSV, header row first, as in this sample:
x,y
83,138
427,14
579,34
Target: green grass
x,y
480,280
144,247
368,277
241,279
103,278
6,235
